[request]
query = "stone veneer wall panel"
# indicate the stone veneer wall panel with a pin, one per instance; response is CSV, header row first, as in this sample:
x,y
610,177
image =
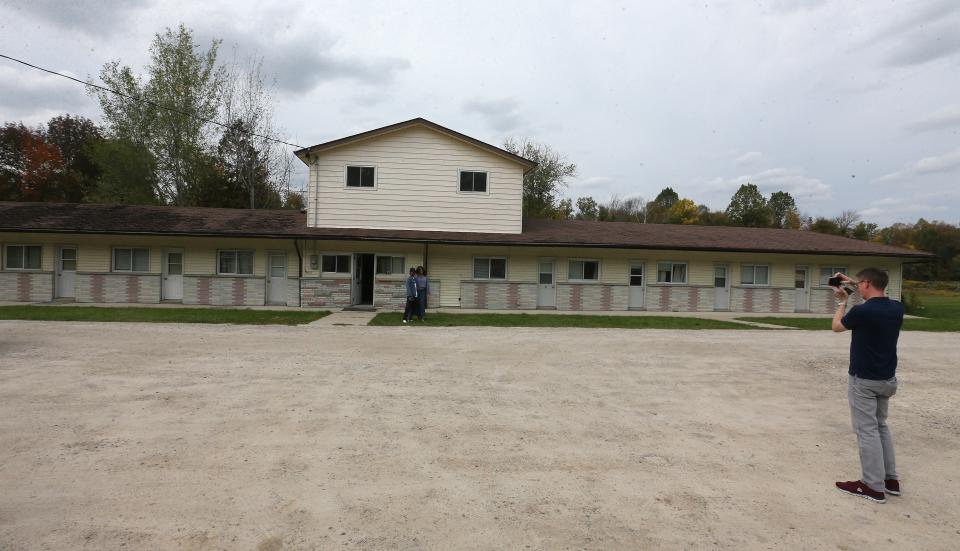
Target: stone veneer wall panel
x,y
118,288
498,295
224,290
26,286
391,294
325,293
763,299
679,298
592,297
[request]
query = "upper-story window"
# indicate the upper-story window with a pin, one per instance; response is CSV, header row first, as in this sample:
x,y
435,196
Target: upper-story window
x,y
361,176
472,181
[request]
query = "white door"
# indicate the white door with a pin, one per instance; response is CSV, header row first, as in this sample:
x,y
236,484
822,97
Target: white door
x,y
547,291
276,278
173,274
356,290
802,284
637,288
67,272
721,288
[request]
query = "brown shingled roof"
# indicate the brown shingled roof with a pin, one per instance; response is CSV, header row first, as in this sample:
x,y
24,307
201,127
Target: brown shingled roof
x,y
289,224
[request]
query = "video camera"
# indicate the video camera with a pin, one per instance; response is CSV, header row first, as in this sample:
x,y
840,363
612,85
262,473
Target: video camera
x,y
839,283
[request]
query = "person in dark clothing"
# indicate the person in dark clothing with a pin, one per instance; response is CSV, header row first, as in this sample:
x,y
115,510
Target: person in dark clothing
x,y
423,290
411,307
872,380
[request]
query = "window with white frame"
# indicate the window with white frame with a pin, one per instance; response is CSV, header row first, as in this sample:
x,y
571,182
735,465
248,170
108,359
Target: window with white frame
x,y
473,181
826,272
361,176
671,272
131,259
390,264
335,263
754,274
235,262
489,268
22,257
584,270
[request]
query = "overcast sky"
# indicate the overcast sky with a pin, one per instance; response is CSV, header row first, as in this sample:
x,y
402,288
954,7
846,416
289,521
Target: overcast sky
x,y
845,105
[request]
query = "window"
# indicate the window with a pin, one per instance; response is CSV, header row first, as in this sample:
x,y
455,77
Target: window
x,y
473,181
754,274
671,272
131,259
22,257
390,264
584,270
361,176
489,268
235,263
335,263
826,272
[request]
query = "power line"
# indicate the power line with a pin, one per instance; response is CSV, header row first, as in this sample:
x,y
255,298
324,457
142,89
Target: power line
x,y
155,104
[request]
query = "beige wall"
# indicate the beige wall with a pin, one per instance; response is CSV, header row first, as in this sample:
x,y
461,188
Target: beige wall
x,y
200,253
417,186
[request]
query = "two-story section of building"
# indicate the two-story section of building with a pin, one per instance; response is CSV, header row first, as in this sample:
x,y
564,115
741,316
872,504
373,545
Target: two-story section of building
x,y
417,194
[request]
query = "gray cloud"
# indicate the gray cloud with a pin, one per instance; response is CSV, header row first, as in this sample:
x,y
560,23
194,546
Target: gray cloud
x,y
791,180
947,162
500,114
791,6
27,90
927,44
748,158
948,117
93,17
301,63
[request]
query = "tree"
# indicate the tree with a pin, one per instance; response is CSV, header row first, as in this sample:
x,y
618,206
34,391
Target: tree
x,y
783,209
684,211
127,173
182,92
75,138
587,209
541,186
864,231
748,208
845,222
245,167
631,209
657,211
824,225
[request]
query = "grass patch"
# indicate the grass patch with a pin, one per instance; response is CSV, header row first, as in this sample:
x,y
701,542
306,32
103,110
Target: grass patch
x,y
160,315
554,320
941,312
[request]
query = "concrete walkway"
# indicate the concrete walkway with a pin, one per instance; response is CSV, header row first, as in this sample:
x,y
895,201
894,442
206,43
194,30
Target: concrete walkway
x,y
344,317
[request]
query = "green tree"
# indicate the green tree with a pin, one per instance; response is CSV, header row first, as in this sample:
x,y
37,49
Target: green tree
x,y
542,185
782,209
182,91
587,209
127,173
748,208
824,225
864,231
657,211
684,211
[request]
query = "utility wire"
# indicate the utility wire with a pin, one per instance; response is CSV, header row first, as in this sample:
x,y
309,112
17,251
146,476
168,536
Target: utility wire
x,y
131,98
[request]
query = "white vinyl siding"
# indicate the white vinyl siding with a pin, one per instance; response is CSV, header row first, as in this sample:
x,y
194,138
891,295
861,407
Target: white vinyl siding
x,y
417,186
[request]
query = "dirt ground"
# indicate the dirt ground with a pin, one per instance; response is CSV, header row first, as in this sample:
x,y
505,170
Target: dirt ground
x,y
147,436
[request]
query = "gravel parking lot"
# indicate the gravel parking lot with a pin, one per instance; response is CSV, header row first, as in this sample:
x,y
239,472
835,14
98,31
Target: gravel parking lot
x,y
154,436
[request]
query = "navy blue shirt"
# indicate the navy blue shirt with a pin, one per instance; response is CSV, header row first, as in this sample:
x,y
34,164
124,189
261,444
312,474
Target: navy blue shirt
x,y
873,348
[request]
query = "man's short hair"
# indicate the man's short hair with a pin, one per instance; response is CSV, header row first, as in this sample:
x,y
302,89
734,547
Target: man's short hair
x,y
877,277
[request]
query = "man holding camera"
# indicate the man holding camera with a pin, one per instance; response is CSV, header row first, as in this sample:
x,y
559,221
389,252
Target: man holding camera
x,y
872,378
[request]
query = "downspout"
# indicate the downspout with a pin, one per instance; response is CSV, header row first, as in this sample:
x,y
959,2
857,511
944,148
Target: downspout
x,y
296,245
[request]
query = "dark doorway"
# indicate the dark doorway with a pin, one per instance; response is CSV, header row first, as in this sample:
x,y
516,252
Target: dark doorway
x,y
364,278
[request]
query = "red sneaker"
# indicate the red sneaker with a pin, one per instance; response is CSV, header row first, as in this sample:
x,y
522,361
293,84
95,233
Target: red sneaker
x,y
892,486
859,489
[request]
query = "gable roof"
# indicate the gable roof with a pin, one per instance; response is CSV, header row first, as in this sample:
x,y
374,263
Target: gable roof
x,y
291,224
304,153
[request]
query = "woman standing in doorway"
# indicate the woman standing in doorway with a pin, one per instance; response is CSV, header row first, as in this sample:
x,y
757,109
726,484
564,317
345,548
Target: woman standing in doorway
x,y
423,289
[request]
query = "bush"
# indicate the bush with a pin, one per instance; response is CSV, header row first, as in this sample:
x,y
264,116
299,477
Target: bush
x,y
912,304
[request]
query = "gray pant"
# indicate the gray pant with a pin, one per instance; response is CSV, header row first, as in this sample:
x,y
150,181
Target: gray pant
x,y
868,411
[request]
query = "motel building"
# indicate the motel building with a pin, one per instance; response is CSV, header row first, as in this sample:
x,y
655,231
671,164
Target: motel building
x,y
410,194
